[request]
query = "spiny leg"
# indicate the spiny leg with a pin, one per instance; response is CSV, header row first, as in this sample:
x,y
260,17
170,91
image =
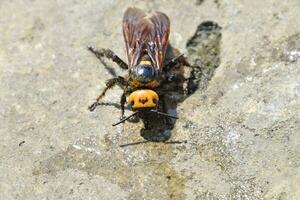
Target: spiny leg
x,y
174,61
180,60
169,107
109,84
122,102
100,53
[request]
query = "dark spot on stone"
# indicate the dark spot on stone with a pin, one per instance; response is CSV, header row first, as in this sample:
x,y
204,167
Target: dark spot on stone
x,y
20,144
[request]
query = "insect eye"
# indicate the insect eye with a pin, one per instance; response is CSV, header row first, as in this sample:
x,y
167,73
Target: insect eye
x,y
132,102
154,101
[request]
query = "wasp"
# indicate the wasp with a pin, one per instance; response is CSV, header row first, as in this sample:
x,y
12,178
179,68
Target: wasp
x,y
153,68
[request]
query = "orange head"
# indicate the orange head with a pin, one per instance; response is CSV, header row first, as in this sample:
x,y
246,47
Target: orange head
x,y
140,99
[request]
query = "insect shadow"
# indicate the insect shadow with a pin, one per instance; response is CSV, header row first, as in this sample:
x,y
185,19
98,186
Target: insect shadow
x,y
204,54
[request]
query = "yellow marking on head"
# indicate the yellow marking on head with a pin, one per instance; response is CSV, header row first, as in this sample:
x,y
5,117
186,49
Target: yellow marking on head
x,y
143,99
145,62
135,83
153,84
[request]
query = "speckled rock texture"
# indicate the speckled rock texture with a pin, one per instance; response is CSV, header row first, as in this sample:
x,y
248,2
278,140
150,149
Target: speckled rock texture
x,y
242,128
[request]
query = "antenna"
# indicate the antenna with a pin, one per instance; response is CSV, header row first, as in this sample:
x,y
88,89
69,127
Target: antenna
x,y
163,114
126,118
154,111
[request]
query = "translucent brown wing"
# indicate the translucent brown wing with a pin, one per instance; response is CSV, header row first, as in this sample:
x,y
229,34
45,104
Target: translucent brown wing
x,y
131,19
143,33
160,37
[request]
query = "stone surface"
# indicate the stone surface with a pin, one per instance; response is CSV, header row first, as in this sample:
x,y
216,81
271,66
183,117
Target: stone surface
x,y
242,129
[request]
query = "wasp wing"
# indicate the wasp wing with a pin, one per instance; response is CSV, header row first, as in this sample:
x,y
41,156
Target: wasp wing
x,y
158,41
143,33
131,20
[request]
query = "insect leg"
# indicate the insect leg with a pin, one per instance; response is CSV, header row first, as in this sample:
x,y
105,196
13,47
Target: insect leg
x,y
177,60
122,102
180,60
99,53
109,84
174,61
169,107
